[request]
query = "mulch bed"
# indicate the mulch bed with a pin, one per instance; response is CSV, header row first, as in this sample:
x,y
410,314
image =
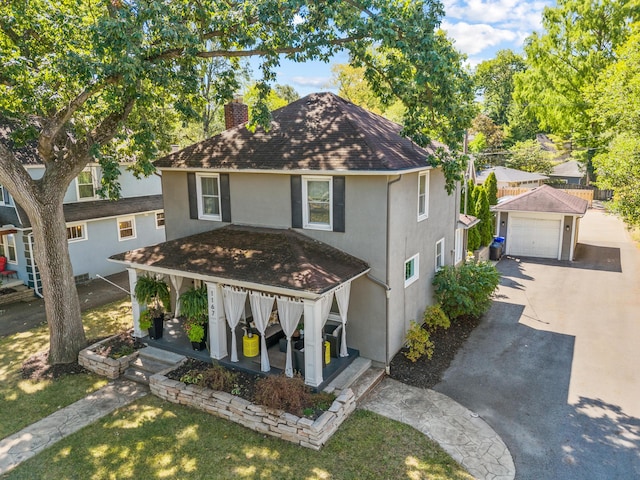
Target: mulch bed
x,y
119,346
6,291
426,373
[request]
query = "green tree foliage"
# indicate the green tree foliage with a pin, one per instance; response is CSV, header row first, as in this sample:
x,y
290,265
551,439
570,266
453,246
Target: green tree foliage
x,y
286,92
492,136
353,86
529,156
466,290
273,100
107,81
483,212
473,234
616,99
577,44
494,81
491,186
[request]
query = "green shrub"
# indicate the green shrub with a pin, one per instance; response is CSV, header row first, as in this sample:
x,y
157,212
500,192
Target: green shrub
x,y
418,342
466,289
434,317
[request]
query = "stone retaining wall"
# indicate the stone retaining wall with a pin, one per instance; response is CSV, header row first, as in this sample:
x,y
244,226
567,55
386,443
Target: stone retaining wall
x,y
302,431
108,367
19,296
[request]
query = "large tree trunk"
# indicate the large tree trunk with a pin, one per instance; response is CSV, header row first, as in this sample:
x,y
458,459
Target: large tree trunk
x,y
62,306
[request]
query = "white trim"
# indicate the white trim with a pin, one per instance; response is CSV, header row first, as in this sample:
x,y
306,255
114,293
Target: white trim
x,y
201,214
94,177
416,270
442,262
459,244
306,223
424,215
159,227
131,218
85,233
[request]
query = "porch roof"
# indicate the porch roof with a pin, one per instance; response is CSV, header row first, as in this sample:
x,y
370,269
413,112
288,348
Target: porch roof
x,y
276,258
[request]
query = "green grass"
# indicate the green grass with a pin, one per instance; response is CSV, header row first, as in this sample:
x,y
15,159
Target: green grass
x,y
24,402
159,440
154,439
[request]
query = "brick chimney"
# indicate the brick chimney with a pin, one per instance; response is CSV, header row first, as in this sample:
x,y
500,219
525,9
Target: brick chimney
x,y
235,113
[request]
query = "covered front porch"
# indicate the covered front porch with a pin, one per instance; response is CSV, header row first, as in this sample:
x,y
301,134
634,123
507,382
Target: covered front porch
x,y
253,321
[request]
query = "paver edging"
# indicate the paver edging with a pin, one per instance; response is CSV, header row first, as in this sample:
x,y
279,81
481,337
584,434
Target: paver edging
x,y
302,431
108,367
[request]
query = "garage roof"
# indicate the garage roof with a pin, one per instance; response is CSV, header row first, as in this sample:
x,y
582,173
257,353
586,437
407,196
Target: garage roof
x,y
545,199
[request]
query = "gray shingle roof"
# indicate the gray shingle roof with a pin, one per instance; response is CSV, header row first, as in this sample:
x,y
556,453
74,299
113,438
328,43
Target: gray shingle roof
x,y
545,199
504,174
278,258
318,132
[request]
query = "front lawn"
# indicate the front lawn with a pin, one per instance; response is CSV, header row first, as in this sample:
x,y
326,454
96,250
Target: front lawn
x,y
24,401
155,439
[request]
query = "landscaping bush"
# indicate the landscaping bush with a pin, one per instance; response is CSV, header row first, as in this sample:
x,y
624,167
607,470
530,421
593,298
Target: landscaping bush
x,y
434,317
466,289
283,393
418,342
218,378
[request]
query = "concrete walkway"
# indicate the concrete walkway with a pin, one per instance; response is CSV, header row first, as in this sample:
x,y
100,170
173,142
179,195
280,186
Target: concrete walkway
x,y
30,441
460,432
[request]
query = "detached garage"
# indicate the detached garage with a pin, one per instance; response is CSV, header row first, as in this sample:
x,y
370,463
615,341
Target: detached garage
x,y
540,223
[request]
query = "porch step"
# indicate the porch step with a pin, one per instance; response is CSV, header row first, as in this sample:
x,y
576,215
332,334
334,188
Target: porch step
x,y
367,382
349,375
151,360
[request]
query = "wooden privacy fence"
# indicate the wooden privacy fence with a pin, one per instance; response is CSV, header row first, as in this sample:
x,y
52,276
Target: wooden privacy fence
x,y
513,191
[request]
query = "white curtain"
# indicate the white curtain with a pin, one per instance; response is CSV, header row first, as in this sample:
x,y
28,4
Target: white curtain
x,y
233,299
342,298
176,282
261,306
289,312
325,308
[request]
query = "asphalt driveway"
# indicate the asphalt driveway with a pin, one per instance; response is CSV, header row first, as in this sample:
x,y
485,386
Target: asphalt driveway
x,y
554,367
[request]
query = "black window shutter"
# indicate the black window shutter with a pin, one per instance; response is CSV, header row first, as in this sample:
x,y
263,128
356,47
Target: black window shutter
x,y
193,195
338,204
296,201
225,197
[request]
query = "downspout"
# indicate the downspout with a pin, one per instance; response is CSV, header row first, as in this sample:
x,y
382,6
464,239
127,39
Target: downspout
x,y
388,291
36,289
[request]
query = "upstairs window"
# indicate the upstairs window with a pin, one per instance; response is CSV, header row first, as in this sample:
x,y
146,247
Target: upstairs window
x,y
423,195
159,219
208,188
5,198
86,184
8,248
317,194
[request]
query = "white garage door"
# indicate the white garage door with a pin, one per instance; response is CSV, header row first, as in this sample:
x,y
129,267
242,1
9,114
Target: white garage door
x,y
534,237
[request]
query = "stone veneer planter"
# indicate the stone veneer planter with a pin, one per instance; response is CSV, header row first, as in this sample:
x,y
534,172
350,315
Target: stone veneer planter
x,y
277,423
108,367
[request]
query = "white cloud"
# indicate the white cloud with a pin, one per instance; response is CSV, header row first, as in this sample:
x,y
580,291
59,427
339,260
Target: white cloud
x,y
473,39
311,81
514,14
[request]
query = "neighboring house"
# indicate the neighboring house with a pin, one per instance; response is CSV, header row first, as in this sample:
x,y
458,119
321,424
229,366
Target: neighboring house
x,y
543,222
512,178
96,228
570,172
331,211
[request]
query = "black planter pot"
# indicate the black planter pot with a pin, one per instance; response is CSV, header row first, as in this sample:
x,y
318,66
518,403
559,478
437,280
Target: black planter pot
x,y
155,332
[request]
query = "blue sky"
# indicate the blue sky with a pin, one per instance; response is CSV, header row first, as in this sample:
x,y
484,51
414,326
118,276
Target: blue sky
x,y
479,29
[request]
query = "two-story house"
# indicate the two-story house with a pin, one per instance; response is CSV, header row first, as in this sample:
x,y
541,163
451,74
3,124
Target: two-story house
x,y
331,212
96,228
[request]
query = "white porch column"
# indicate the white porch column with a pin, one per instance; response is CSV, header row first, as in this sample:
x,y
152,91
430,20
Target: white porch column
x,y
135,306
217,322
312,343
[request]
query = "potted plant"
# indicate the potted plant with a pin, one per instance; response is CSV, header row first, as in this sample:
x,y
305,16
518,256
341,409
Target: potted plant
x,y
194,306
154,293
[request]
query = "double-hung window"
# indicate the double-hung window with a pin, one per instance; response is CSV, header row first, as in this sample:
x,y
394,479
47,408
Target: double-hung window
x,y
126,228
86,184
77,232
159,219
423,195
8,247
317,197
411,270
5,198
208,189
439,254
